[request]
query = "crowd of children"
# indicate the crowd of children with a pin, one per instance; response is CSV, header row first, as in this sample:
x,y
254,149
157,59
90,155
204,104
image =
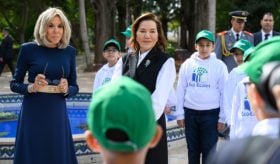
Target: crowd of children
x,y
208,98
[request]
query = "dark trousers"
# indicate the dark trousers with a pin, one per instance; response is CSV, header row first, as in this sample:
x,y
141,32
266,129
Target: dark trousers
x,y
10,64
159,154
201,133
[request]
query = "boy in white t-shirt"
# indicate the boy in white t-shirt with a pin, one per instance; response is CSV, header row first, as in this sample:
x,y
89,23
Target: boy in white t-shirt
x,y
111,52
199,93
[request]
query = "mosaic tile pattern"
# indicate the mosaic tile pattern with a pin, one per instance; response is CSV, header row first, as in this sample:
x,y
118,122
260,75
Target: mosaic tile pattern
x,y
81,149
7,152
16,98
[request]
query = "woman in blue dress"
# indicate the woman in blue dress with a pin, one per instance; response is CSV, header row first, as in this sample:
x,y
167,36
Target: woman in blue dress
x,y
43,132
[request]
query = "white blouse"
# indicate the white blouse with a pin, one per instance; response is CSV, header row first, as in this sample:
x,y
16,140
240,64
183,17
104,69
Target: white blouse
x,y
164,83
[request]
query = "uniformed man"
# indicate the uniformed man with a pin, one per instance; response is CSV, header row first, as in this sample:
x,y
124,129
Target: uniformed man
x,y
226,39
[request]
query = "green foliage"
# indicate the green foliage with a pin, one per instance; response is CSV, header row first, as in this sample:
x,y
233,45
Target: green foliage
x,y
256,9
170,50
4,116
2,134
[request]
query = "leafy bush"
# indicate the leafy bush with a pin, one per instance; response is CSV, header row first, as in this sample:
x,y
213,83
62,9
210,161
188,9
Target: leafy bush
x,y
4,116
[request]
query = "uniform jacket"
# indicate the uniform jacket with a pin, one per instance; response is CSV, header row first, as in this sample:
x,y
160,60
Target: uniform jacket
x,y
258,36
225,41
6,48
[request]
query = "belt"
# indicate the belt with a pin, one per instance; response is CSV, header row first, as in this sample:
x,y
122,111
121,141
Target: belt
x,y
199,112
49,89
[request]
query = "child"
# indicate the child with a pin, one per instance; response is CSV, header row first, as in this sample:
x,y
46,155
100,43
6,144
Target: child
x,y
127,34
199,93
111,52
234,77
122,124
242,119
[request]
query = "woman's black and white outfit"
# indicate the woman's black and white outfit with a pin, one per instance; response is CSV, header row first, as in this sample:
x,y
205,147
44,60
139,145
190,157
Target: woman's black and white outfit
x,y
156,71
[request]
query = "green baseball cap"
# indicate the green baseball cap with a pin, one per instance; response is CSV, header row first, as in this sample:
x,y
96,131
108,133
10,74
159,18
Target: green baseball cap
x,y
247,54
265,52
127,32
123,106
112,42
205,34
241,44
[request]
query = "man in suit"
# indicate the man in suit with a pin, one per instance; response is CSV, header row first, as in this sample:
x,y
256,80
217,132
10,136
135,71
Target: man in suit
x,y
226,39
266,32
6,52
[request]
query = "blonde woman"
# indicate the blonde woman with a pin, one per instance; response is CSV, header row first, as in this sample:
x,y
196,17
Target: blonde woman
x,y
43,134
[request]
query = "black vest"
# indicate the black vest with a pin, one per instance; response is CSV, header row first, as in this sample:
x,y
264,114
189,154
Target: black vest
x,y
147,71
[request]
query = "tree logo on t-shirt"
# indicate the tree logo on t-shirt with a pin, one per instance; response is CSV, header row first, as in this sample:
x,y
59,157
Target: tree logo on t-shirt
x,y
198,74
106,80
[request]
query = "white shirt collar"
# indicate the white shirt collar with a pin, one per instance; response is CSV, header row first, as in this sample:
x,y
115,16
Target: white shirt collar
x,y
142,56
263,34
234,33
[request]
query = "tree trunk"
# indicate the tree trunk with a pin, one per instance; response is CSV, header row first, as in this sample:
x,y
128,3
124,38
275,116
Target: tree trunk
x,y
201,15
184,25
121,7
191,18
84,33
212,15
136,8
164,22
104,25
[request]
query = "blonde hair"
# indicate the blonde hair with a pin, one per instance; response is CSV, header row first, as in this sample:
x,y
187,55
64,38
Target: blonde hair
x,y
40,30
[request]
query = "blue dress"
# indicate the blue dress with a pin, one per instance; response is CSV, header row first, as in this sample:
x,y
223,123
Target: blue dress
x,y
43,133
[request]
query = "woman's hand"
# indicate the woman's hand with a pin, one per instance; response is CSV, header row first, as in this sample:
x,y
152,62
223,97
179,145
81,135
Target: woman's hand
x,y
221,126
181,123
63,85
167,110
39,82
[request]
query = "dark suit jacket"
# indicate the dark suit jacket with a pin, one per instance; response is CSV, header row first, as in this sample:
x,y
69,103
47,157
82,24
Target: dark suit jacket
x,y
6,48
258,36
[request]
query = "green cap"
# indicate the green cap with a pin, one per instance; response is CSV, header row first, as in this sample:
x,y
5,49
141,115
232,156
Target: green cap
x,y
265,52
112,42
127,32
205,34
248,53
123,105
241,44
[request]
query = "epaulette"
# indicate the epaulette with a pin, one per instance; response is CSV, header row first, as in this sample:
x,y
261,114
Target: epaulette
x,y
222,33
248,33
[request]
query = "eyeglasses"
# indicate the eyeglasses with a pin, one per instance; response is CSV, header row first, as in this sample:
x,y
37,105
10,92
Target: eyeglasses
x,y
247,83
111,50
55,81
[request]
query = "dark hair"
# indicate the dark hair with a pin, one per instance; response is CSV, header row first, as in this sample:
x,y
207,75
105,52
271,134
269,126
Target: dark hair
x,y
269,78
267,13
6,29
117,135
162,42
